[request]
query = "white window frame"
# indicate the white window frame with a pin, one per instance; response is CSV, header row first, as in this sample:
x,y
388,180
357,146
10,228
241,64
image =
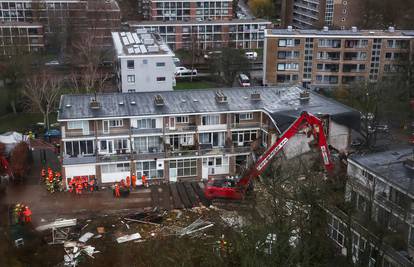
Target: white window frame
x,y
246,116
72,125
116,123
183,165
213,119
182,119
131,78
149,123
117,167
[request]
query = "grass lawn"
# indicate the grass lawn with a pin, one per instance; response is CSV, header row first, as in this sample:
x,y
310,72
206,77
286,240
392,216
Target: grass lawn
x,y
195,85
21,121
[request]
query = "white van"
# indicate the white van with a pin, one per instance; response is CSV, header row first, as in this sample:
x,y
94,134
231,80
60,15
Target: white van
x,y
244,81
251,55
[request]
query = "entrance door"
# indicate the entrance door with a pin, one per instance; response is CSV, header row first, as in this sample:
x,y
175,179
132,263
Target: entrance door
x,y
236,118
172,123
240,140
105,128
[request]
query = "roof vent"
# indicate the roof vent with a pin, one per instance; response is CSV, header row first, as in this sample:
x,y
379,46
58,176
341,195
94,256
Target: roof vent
x,y
159,101
325,28
409,163
372,32
94,104
354,29
391,29
304,96
255,96
221,97
289,28
133,103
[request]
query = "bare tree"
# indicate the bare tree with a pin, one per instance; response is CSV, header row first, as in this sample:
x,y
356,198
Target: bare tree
x,y
42,92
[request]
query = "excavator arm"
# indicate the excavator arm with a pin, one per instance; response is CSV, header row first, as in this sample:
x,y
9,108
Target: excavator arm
x,y
306,119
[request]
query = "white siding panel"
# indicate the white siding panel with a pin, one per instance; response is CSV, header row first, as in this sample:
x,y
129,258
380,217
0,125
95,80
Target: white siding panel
x,y
79,170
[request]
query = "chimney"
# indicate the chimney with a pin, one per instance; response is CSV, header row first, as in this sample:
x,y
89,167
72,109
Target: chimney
x,y
255,96
221,97
159,101
94,104
354,29
289,28
325,28
391,29
304,96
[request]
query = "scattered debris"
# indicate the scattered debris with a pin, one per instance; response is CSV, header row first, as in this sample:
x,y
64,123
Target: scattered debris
x,y
127,238
86,225
85,237
100,230
196,226
58,223
97,236
139,221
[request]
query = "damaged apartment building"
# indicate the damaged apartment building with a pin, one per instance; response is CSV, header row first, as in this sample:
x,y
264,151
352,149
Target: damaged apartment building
x,y
380,190
186,135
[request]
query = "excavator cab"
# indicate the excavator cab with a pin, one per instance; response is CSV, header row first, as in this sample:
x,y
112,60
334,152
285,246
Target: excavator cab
x,y
223,188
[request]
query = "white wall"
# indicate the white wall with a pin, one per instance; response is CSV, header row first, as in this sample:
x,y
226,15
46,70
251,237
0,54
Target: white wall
x,y
113,177
79,170
297,145
146,74
338,136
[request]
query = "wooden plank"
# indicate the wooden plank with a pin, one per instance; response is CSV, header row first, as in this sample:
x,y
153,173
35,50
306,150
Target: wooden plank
x,y
155,196
165,200
191,195
200,194
175,196
183,195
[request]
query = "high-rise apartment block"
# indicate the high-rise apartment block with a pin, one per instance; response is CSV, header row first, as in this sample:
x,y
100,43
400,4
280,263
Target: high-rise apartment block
x,y
307,14
71,17
332,58
191,9
20,37
206,35
144,63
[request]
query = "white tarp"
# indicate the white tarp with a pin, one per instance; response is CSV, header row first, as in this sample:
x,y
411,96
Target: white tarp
x,y
11,139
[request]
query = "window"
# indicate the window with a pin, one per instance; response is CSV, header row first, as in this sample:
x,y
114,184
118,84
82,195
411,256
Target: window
x,y
145,61
336,231
121,144
119,167
367,175
182,119
244,136
76,124
130,64
282,42
160,64
184,168
281,66
116,123
146,124
149,169
75,148
131,78
210,119
150,144
160,79
215,139
246,116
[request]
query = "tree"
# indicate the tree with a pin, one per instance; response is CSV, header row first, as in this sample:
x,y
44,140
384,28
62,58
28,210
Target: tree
x,y
262,8
230,62
19,160
42,92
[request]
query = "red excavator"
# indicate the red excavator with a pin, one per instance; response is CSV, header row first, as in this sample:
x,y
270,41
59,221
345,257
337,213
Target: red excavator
x,y
230,189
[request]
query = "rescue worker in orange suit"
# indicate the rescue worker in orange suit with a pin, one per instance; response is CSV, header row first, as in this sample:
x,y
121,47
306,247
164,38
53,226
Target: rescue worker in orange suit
x,y
79,189
144,180
50,175
91,184
27,213
134,181
128,182
117,193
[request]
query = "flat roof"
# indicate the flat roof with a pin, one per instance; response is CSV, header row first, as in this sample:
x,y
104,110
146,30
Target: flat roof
x,y
389,166
139,43
196,22
282,103
341,33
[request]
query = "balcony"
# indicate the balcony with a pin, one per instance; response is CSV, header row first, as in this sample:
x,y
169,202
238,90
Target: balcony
x,y
212,127
77,133
146,131
67,160
206,151
247,125
114,157
181,129
113,132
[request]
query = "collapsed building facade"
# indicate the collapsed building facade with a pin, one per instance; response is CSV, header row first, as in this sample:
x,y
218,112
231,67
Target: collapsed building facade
x,y
186,135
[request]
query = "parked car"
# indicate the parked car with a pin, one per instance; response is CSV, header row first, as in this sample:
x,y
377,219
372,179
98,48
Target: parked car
x,y
251,55
183,71
176,60
243,80
52,63
382,128
212,54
